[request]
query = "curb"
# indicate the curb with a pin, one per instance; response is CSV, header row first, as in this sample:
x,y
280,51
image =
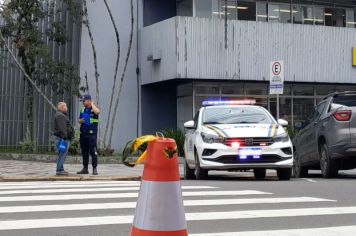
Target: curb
x,y
68,178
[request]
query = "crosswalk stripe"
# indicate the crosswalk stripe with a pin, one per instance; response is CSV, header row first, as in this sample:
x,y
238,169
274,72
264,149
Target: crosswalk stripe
x,y
71,190
122,195
19,187
327,231
206,216
130,205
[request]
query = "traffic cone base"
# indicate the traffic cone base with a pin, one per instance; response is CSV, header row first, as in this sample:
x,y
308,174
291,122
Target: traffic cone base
x,y
138,232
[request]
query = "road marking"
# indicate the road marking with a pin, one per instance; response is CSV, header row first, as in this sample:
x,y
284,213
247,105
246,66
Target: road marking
x,y
128,219
329,231
130,205
309,180
122,195
72,190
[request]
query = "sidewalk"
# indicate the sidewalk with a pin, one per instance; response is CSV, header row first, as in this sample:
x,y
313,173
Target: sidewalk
x,y
11,170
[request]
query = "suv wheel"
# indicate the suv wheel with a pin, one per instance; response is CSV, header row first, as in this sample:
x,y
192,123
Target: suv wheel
x,y
299,171
328,166
260,174
188,173
284,174
200,173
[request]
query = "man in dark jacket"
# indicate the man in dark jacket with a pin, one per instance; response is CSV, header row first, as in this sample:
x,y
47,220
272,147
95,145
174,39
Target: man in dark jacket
x,y
64,132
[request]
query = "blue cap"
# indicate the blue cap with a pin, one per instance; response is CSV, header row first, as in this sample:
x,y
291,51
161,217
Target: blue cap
x,y
86,97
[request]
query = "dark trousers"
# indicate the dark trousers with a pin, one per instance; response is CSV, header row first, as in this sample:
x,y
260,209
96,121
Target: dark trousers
x,y
88,146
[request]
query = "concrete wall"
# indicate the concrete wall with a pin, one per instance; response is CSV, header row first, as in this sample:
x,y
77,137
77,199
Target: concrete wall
x,y
310,53
105,42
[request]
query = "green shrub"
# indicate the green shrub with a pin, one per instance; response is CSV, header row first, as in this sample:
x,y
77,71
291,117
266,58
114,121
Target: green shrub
x,y
177,135
28,145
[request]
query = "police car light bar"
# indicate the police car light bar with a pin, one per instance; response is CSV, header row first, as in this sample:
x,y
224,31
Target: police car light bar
x,y
231,102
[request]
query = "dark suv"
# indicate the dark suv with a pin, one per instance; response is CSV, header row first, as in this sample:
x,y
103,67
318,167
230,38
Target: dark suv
x,y
328,139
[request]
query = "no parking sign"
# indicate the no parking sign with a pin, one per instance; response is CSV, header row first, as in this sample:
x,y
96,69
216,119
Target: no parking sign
x,y
276,84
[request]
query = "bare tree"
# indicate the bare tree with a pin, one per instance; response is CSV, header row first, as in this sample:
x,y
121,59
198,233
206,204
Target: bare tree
x,y
112,123
116,67
87,24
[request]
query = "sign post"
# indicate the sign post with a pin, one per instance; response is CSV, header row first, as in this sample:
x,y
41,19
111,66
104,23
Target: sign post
x,y
276,83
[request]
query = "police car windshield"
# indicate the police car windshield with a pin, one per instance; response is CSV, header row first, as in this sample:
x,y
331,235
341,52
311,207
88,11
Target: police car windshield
x,y
236,115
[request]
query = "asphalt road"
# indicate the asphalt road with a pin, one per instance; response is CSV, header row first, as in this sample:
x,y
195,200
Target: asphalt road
x,y
240,206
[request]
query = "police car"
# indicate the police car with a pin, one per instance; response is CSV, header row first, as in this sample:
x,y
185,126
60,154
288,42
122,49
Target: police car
x,y
236,135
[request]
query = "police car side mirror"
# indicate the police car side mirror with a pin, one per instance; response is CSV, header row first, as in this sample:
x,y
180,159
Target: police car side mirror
x,y
282,122
189,124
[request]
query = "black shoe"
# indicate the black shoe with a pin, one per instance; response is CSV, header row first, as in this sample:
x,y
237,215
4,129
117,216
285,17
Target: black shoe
x,y
95,172
84,171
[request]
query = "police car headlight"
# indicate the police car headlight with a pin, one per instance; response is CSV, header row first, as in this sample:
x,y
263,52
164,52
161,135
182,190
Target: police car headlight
x,y
209,138
281,138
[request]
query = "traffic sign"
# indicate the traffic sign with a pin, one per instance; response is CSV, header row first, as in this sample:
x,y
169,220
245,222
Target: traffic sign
x,y
276,84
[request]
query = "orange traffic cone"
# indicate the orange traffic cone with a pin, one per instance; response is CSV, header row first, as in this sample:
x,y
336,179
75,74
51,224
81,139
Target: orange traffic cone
x,y
160,209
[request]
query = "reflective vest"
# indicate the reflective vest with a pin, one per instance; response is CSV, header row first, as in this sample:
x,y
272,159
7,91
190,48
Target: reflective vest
x,y
91,121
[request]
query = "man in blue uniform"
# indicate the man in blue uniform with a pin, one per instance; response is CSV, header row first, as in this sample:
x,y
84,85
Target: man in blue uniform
x,y
89,119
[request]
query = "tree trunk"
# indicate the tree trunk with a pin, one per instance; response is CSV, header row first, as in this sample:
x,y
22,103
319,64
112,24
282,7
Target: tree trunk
x,y
87,24
29,136
122,77
116,68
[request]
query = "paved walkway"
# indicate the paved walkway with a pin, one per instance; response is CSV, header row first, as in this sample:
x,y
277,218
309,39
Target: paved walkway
x,y
39,169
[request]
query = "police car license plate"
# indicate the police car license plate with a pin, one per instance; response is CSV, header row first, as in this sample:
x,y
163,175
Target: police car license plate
x,y
253,151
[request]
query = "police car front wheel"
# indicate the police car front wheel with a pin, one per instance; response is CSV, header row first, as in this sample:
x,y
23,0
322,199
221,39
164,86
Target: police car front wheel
x,y
200,173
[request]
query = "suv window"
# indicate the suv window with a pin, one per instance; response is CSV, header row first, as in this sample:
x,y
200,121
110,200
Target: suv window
x,y
318,111
345,100
196,119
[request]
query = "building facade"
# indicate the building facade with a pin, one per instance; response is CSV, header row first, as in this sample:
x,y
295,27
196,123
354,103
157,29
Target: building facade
x,y
187,51
217,49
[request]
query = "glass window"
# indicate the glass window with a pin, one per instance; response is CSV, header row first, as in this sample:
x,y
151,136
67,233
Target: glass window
x,y
297,14
350,18
308,18
185,90
318,16
246,10
185,7
303,90
285,109
256,89
217,11
284,13
236,89
329,17
261,11
203,8
273,13
324,89
230,8
207,89
339,17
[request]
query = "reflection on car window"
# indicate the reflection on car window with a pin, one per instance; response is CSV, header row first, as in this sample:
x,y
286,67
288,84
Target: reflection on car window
x,y
345,100
236,115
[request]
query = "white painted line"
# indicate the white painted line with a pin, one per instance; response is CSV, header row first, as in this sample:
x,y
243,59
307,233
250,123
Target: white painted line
x,y
270,213
109,220
74,190
130,205
121,195
67,186
329,231
309,180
